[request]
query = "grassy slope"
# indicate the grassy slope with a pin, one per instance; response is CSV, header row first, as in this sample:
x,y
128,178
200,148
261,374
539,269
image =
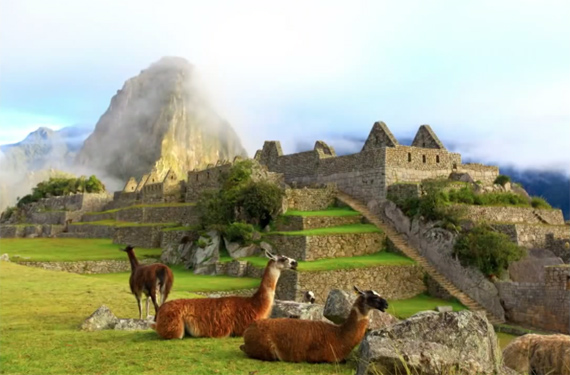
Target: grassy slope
x,y
187,281
381,258
341,229
335,211
40,312
68,249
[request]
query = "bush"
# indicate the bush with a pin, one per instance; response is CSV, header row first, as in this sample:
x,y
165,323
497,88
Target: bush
x,y
58,186
7,214
239,232
538,202
502,179
489,251
260,202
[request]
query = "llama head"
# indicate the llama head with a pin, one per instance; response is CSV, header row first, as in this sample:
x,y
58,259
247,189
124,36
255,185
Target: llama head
x,y
369,299
309,297
127,249
281,262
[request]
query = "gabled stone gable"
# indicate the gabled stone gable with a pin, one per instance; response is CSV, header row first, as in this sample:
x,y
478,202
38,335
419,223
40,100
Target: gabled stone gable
x,y
380,136
426,138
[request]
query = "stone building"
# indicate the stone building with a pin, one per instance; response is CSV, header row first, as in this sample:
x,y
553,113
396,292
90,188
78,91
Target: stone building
x,y
382,162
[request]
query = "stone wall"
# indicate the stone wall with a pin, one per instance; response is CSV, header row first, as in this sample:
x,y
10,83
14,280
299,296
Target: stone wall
x,y
307,199
89,266
403,191
329,246
30,231
99,216
530,235
76,202
479,172
183,214
54,217
514,214
537,305
91,231
392,282
293,223
200,181
139,236
559,246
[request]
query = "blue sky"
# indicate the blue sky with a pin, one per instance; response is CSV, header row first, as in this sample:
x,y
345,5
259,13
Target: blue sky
x,y
493,77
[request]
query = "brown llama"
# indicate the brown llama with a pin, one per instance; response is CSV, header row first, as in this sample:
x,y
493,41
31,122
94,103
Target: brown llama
x,y
296,340
225,316
149,279
539,354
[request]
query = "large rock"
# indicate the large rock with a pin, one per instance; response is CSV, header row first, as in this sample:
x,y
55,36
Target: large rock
x,y
431,343
180,253
297,310
338,306
5,258
237,250
101,319
204,258
531,268
133,324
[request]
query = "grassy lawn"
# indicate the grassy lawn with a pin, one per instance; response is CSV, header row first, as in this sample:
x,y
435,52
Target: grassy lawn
x,y
341,229
40,312
335,211
68,249
407,307
381,258
187,281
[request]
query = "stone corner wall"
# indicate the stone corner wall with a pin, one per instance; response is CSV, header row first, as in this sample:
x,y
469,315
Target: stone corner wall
x,y
310,199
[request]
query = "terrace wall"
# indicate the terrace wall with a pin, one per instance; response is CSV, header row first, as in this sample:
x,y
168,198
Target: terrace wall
x,y
310,199
293,223
90,231
138,236
88,267
392,282
186,215
514,215
536,235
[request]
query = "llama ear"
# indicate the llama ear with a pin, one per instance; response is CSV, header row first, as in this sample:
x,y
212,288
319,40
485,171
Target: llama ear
x,y
269,255
358,291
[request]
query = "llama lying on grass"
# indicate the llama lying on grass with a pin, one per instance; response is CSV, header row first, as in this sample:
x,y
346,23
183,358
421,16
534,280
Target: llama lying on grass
x,y
294,340
149,279
225,316
539,354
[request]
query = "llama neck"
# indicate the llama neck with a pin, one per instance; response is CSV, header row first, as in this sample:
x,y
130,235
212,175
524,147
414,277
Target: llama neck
x,y
353,329
266,291
133,260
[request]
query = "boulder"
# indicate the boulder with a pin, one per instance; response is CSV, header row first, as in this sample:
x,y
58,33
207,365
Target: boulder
x,y
530,269
444,308
237,250
134,324
177,253
101,319
5,258
297,310
204,258
338,306
432,343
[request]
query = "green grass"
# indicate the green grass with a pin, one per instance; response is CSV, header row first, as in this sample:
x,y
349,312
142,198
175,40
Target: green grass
x,y
381,258
334,211
124,223
141,206
187,281
67,249
186,228
407,307
505,339
40,312
341,229
103,212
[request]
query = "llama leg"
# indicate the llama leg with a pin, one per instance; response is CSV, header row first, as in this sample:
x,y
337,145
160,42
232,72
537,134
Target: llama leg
x,y
147,306
139,303
153,297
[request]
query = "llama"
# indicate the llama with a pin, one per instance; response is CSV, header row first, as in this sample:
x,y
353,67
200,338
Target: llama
x,y
225,316
309,297
539,354
295,340
149,279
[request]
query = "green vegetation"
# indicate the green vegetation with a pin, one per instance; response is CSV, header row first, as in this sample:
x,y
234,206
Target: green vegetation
x,y
185,280
505,339
68,249
340,229
141,206
502,179
124,223
239,232
58,186
41,310
538,202
381,258
489,251
407,307
332,211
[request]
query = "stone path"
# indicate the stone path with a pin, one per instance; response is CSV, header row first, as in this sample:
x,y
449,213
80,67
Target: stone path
x,y
400,242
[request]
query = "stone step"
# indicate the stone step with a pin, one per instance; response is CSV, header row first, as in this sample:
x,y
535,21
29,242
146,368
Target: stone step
x,y
399,241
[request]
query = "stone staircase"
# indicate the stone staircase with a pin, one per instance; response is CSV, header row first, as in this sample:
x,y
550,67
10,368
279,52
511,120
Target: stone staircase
x,y
400,242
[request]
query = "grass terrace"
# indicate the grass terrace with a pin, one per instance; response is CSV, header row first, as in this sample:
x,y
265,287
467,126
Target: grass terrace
x,y
141,206
124,223
341,229
186,280
407,307
68,249
381,258
333,211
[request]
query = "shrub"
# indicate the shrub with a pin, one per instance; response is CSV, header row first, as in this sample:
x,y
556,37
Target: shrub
x,y
261,202
7,214
239,232
58,186
489,251
201,244
539,202
214,209
502,179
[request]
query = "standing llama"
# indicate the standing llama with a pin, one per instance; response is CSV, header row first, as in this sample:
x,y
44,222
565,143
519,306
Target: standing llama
x,y
225,316
149,279
539,354
295,340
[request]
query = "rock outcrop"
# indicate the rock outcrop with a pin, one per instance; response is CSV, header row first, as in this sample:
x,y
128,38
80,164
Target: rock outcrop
x,y
431,343
297,310
159,119
103,318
